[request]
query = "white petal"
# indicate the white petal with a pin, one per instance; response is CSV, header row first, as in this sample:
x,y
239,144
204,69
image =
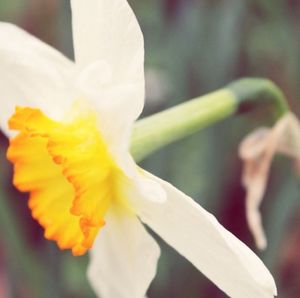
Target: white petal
x,y
115,114
123,258
139,187
150,190
31,74
108,30
217,253
109,49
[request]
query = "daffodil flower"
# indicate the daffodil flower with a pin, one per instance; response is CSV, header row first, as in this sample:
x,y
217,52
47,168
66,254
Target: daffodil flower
x,y
257,151
70,150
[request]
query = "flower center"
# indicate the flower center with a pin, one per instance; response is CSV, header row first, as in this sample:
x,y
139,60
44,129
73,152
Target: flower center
x,y
69,173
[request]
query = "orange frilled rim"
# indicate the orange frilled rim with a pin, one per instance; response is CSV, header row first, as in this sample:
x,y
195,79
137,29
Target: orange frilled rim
x,y
69,173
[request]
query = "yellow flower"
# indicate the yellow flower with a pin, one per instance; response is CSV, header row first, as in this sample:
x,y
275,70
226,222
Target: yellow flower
x,y
63,166
71,153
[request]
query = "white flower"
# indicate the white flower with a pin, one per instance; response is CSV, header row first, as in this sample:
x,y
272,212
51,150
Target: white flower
x,y
72,157
257,151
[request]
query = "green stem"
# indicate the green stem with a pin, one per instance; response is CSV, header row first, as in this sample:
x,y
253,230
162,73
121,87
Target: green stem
x,y
251,93
154,132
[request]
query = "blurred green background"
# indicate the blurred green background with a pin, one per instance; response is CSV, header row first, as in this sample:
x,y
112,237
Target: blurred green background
x,y
192,47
